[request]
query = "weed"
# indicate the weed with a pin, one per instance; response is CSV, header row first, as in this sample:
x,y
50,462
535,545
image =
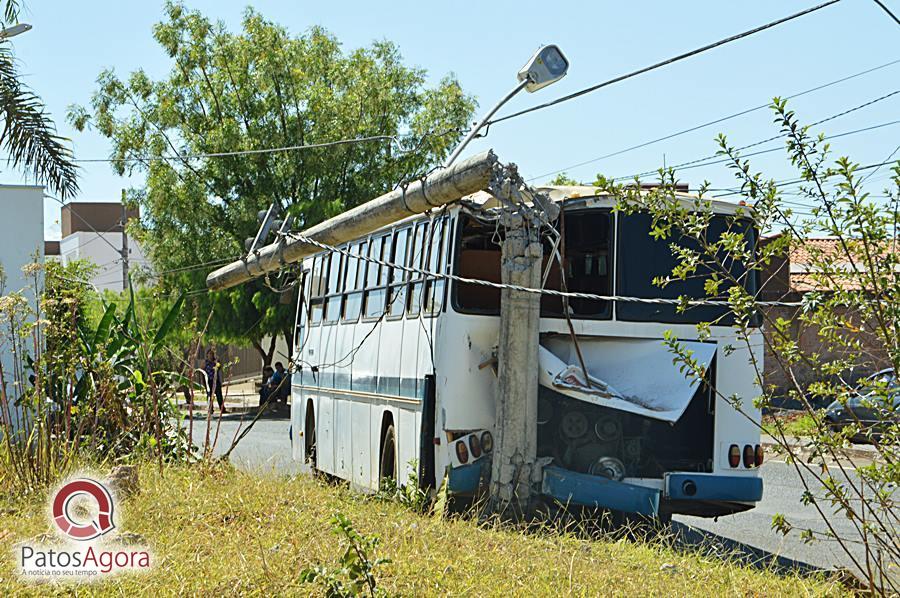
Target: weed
x,y
355,574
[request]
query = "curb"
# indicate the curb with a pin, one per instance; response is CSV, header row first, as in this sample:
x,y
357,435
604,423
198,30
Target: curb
x,y
201,411
854,453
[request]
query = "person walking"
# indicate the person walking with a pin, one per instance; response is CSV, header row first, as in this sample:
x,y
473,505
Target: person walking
x,y
213,369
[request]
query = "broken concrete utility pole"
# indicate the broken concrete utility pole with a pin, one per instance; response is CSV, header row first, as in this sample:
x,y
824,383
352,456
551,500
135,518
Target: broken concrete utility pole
x,y
436,189
515,445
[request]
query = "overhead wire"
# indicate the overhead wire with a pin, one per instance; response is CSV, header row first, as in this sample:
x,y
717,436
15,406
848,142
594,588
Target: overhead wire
x,y
663,63
270,150
715,121
82,218
539,291
887,10
716,156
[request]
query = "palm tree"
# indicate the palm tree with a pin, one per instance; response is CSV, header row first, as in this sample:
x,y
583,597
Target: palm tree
x,y
28,134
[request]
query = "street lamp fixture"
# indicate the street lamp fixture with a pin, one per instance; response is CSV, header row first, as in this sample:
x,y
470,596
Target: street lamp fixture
x,y
14,30
547,66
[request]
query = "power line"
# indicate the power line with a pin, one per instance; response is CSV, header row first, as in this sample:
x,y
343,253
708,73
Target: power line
x,y
779,136
538,291
195,266
885,161
713,160
888,11
667,62
716,121
268,150
795,181
80,217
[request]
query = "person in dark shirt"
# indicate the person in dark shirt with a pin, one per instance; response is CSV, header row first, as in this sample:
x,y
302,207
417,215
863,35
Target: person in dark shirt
x,y
213,369
265,390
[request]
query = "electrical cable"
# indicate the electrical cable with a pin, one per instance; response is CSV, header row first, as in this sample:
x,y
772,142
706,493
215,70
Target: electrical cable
x,y
80,217
714,122
663,63
537,291
271,150
887,10
779,136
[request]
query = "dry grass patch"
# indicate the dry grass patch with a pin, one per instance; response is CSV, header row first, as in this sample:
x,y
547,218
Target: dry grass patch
x,y
224,532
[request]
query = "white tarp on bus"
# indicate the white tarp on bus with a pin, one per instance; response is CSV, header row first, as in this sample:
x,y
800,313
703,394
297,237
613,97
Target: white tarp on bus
x,y
633,375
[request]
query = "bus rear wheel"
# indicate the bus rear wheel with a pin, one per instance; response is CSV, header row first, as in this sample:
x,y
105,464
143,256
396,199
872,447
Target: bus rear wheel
x,y
388,467
311,439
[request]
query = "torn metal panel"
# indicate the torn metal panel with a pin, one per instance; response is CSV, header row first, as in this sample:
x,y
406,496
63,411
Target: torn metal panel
x,y
633,375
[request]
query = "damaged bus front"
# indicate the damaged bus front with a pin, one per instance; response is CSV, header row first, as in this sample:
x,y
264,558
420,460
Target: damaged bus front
x,y
637,434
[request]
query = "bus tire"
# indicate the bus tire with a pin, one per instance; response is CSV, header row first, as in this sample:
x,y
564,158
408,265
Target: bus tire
x,y
310,438
388,465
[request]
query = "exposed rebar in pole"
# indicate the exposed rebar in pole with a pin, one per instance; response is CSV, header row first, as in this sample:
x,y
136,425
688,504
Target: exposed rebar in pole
x,y
514,467
515,446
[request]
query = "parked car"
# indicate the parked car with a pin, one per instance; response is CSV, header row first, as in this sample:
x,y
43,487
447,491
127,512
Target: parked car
x,y
872,409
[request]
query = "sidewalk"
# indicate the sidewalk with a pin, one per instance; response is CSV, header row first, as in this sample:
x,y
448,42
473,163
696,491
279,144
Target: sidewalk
x,y
799,445
239,398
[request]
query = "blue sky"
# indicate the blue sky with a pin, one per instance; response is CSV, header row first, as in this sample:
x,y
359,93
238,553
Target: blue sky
x,y
485,43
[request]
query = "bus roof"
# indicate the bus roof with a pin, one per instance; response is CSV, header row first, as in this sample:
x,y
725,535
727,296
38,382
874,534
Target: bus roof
x,y
592,197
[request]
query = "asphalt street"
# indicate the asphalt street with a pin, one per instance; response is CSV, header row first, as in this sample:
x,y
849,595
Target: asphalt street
x,y
748,535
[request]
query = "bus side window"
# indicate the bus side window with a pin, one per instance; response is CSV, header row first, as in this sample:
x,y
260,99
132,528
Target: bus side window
x,y
434,287
397,298
418,260
333,287
302,316
316,289
376,278
355,274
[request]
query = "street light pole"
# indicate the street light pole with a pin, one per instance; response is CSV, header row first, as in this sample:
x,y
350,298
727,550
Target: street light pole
x,y
548,65
480,125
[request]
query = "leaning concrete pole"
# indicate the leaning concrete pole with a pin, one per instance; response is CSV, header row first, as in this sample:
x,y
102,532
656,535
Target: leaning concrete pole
x,y
515,446
434,190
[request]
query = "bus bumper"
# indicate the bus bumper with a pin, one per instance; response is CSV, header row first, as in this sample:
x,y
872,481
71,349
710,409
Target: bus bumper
x,y
688,486
688,493
569,487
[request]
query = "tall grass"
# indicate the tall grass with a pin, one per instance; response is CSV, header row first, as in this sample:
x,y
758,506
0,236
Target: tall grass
x,y
75,388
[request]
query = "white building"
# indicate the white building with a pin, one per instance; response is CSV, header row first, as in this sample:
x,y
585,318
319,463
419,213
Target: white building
x,y
21,243
94,231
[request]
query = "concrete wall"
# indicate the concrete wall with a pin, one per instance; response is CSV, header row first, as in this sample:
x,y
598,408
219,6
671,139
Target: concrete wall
x,y
21,237
103,250
870,358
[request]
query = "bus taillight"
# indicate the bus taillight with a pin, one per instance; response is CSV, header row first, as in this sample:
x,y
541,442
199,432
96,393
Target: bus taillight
x,y
487,442
462,452
759,455
474,446
749,456
734,455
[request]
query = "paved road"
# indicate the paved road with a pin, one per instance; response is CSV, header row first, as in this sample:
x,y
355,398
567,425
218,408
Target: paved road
x,y
266,447
751,532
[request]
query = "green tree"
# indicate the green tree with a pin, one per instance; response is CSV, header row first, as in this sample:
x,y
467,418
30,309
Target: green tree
x,y
563,179
256,89
28,134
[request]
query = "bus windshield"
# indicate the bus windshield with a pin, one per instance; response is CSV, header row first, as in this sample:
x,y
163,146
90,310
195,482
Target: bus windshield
x,y
641,259
597,254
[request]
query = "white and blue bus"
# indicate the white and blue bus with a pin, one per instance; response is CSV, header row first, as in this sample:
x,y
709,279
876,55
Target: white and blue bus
x,y
394,371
